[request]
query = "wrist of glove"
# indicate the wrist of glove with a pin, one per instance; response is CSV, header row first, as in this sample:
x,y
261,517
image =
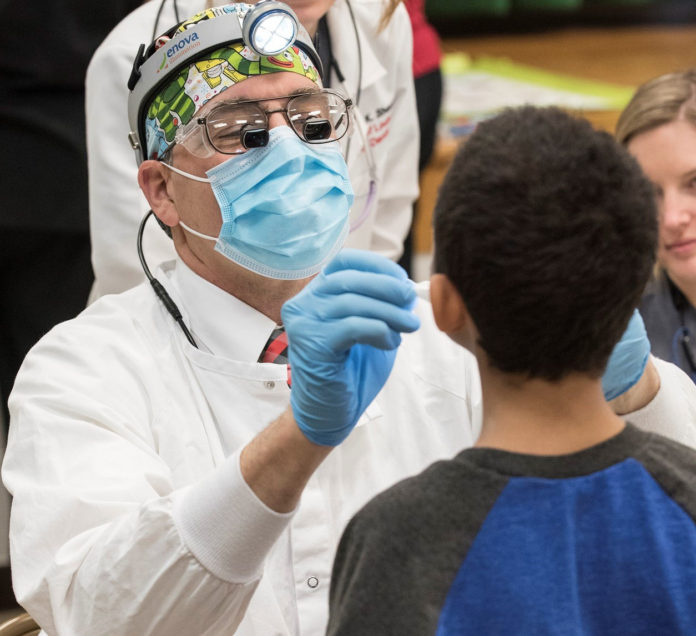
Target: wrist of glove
x,y
628,359
343,331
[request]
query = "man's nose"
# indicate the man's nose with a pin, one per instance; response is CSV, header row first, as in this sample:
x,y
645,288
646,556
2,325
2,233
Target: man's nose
x,y
277,118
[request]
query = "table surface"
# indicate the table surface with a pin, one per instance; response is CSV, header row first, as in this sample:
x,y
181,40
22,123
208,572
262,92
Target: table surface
x,y
627,55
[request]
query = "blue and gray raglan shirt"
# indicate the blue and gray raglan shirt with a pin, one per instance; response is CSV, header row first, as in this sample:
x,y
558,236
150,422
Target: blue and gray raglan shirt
x,y
602,541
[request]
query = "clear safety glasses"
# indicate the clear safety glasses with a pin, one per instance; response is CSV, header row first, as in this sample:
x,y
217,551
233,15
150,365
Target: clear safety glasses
x,y
232,128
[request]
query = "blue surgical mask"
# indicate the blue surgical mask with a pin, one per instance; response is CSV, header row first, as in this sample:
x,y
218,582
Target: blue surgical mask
x,y
284,206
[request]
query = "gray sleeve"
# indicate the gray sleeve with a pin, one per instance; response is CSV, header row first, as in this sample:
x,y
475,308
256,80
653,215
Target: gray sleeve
x,y
672,465
417,531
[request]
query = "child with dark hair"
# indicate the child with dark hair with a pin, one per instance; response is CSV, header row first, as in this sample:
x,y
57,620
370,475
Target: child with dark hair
x,y
563,518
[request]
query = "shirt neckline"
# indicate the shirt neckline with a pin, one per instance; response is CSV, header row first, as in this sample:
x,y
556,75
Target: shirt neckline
x,y
221,323
617,448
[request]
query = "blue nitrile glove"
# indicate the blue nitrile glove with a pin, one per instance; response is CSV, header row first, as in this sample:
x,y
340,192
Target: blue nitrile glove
x,y
343,331
628,359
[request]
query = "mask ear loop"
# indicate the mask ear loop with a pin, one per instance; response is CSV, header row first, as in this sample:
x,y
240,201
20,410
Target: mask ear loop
x,y
188,175
207,237
181,223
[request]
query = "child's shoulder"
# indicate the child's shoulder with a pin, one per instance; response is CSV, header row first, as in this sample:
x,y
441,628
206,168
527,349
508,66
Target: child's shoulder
x,y
673,466
448,493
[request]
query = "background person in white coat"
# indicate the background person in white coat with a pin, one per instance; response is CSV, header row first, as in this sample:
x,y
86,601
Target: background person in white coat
x,y
376,70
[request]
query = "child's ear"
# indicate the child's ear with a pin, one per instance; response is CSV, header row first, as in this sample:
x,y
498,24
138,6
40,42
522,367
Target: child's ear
x,y
450,312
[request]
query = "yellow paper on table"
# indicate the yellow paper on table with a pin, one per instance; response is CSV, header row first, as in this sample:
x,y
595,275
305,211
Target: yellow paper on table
x,y
476,89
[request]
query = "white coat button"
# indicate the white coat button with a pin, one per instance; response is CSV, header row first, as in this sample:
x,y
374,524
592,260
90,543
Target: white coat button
x,y
269,384
312,582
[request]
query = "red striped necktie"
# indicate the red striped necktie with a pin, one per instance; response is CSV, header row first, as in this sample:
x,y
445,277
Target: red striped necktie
x,y
276,350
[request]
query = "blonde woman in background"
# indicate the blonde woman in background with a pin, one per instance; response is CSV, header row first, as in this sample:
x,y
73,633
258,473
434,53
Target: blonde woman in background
x,y
659,128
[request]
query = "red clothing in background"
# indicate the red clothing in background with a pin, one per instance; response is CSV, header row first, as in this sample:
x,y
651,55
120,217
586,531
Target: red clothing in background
x,y
426,43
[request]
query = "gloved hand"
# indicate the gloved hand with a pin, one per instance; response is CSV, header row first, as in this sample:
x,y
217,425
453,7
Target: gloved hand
x,y
628,359
343,331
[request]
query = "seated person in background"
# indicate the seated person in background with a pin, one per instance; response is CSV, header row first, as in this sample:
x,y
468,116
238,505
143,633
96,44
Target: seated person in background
x,y
563,518
659,128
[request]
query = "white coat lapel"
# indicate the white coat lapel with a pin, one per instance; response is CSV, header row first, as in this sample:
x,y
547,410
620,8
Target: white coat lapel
x,y
344,47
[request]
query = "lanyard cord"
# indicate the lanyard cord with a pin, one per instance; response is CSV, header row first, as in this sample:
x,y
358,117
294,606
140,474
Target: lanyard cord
x,y
682,339
686,344
340,75
682,336
360,57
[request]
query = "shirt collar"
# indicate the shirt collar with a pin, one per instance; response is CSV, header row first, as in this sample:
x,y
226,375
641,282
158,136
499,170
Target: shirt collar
x,y
225,325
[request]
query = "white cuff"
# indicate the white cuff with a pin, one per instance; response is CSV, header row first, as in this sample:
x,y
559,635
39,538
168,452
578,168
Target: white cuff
x,y
672,412
225,525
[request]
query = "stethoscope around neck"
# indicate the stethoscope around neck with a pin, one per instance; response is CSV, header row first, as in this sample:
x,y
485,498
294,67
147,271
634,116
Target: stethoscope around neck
x,y
359,122
369,158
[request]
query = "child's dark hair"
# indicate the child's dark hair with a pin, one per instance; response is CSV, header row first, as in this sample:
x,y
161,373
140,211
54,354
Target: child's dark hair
x,y
548,229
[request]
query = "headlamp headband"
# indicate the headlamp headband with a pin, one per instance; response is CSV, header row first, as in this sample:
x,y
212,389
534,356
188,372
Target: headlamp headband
x,y
153,68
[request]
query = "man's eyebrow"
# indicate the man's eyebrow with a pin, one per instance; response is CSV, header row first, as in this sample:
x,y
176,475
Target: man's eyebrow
x,y
302,91
241,98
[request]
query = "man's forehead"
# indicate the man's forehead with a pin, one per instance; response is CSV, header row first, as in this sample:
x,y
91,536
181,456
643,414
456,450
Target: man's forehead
x,y
264,87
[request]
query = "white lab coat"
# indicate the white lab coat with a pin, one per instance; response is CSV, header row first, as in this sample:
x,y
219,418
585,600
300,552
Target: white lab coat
x,y
114,417
386,101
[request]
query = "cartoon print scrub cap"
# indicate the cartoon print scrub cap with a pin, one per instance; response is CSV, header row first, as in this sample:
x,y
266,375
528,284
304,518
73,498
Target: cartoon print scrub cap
x,y
201,57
